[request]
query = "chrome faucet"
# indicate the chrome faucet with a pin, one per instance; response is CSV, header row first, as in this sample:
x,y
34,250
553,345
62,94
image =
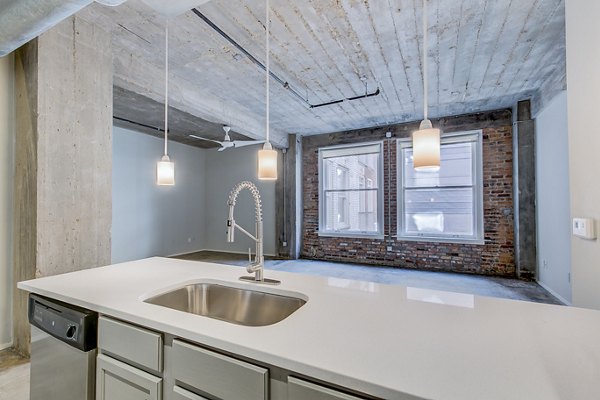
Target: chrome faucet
x,y
257,267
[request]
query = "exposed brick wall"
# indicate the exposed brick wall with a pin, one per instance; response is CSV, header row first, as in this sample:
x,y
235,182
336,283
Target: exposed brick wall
x,y
495,257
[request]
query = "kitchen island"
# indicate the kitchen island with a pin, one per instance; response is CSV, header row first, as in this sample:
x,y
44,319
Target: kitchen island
x,y
380,341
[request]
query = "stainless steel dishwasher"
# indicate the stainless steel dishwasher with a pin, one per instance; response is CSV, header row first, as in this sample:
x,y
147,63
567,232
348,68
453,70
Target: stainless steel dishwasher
x,y
63,350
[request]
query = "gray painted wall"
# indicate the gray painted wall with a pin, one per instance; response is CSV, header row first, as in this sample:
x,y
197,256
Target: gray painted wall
x,y
7,121
553,202
223,171
583,82
150,220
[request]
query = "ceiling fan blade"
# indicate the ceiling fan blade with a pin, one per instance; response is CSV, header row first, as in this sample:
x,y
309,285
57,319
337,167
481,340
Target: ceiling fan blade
x,y
242,143
208,140
222,148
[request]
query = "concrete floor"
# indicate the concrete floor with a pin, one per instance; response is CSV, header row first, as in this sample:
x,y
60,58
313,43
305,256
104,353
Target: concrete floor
x,y
14,376
451,282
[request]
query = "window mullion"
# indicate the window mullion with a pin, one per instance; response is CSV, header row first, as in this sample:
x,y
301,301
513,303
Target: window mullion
x,y
438,187
350,190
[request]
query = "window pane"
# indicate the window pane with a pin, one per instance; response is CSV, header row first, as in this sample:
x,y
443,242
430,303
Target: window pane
x,y
456,167
351,212
439,211
350,172
350,150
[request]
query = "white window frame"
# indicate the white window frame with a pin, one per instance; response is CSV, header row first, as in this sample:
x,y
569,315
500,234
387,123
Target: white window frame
x,y
380,179
478,225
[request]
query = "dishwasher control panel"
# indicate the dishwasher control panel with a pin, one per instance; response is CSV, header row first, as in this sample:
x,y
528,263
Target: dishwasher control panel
x,y
73,325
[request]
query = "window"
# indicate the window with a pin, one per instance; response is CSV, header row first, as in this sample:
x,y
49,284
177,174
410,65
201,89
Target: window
x,y
446,205
350,200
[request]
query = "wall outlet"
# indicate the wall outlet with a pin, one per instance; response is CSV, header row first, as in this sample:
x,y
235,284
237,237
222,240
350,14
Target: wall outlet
x,y
284,244
190,240
584,228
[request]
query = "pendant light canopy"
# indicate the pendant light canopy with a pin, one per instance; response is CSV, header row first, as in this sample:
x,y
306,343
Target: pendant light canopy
x,y
165,168
267,157
426,141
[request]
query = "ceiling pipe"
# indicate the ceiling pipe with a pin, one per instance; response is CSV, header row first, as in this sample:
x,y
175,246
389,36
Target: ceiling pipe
x,y
24,20
172,9
286,85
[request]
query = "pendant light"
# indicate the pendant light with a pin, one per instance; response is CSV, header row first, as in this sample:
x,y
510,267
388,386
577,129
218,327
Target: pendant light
x,y
426,141
165,168
267,157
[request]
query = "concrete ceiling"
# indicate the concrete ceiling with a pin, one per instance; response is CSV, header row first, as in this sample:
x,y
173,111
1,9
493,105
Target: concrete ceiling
x,y
137,112
484,54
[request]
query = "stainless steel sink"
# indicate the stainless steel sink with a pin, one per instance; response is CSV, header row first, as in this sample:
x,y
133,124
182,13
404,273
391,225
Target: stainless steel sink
x,y
231,304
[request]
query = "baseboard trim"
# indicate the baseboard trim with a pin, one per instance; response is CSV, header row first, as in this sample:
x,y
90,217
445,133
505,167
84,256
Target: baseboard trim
x,y
186,252
227,251
5,346
553,293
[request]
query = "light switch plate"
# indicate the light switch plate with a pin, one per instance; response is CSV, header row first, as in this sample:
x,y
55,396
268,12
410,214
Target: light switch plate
x,y
584,228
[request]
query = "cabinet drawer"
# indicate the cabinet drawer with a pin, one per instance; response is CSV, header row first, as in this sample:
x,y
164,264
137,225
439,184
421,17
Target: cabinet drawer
x,y
119,381
303,390
182,394
218,375
138,345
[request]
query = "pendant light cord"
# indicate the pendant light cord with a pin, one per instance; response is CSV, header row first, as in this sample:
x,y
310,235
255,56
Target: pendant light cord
x,y
267,69
166,83
425,78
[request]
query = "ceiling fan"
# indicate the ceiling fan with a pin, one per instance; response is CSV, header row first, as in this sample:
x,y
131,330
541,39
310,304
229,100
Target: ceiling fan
x,y
227,142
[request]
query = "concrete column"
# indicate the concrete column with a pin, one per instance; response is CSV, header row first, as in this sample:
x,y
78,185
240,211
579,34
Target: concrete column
x,y
25,199
524,186
298,190
285,190
7,137
63,193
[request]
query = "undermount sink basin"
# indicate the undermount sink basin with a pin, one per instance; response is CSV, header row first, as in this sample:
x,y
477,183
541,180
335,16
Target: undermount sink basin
x,y
232,304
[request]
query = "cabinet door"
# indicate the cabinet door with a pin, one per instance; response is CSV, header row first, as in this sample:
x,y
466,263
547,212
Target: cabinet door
x,y
302,390
218,375
182,394
118,381
131,343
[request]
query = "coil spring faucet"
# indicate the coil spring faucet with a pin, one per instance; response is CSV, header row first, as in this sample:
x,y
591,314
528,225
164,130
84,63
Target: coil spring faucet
x,y
257,267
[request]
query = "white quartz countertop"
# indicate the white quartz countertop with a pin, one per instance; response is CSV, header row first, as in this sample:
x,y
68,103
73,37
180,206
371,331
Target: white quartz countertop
x,y
388,341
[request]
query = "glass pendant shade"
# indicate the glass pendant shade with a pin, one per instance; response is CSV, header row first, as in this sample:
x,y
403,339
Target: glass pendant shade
x,y
267,163
165,172
426,148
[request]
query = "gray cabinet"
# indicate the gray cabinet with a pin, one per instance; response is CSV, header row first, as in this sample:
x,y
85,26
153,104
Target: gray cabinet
x,y
129,360
130,343
116,380
218,375
136,363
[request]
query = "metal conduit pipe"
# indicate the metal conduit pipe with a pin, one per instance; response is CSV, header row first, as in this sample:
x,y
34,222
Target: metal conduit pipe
x,y
24,20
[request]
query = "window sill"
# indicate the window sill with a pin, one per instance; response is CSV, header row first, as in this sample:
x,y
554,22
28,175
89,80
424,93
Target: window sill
x,y
375,236
437,239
